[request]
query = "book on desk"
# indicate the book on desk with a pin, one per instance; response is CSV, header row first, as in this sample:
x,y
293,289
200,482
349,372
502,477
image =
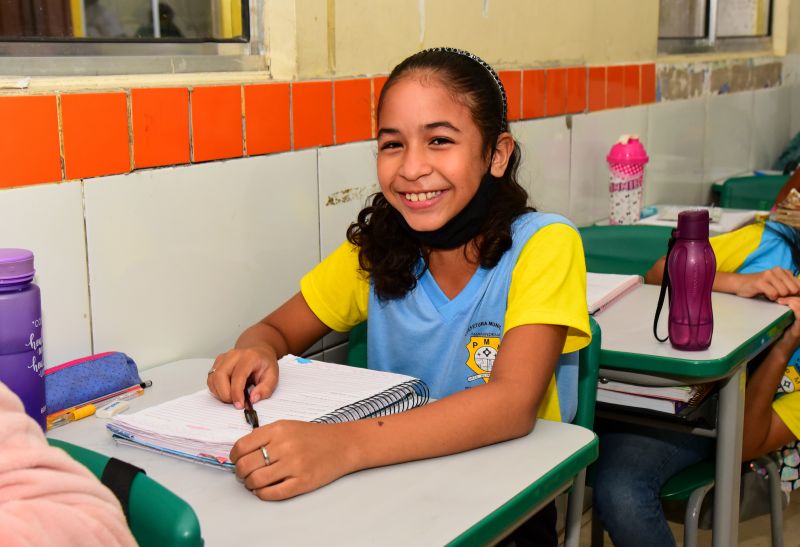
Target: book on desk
x,y
200,428
604,289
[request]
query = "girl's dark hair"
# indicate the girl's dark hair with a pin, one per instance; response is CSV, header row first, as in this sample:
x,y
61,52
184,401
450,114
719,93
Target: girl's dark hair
x,y
386,251
790,236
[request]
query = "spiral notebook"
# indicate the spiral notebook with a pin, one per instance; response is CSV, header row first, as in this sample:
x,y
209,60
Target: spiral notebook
x,y
200,428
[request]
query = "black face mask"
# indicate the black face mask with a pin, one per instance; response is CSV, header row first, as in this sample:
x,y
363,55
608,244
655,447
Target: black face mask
x,y
464,226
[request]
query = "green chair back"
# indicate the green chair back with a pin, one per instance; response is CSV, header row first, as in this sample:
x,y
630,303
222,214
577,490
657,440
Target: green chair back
x,y
588,358
623,249
757,192
157,516
588,371
357,346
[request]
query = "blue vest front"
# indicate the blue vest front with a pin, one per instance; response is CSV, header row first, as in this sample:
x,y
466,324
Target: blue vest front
x,y
451,344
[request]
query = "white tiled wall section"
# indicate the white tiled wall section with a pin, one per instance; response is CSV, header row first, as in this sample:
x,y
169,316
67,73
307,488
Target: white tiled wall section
x,y
181,260
48,220
544,172
675,137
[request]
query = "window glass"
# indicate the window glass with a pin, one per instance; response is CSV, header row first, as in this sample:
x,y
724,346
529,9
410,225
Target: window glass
x,y
696,26
682,19
743,18
124,20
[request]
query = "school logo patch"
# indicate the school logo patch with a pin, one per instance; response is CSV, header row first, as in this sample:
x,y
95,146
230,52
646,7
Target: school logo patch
x,y
482,353
790,381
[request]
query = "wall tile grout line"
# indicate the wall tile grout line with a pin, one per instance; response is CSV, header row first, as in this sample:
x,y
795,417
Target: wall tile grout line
x,y
60,125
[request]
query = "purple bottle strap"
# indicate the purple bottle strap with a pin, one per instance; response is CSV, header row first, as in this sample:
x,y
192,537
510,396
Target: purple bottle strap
x,y
664,286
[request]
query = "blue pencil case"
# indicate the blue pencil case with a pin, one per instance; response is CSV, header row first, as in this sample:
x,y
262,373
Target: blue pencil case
x,y
83,380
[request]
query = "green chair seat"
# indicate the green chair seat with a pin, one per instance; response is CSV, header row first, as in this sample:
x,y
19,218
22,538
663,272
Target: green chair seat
x,y
681,485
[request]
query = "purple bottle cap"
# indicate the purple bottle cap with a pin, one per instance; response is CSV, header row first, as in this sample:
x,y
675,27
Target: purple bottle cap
x,y
693,224
16,266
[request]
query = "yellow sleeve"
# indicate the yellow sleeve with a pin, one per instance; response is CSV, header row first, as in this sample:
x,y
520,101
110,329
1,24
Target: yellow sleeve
x,y
788,409
337,289
548,285
733,248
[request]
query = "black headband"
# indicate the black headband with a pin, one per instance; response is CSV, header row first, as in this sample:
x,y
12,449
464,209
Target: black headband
x,y
488,68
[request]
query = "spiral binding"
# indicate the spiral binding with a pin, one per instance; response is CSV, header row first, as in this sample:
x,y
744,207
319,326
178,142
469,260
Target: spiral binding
x,y
399,398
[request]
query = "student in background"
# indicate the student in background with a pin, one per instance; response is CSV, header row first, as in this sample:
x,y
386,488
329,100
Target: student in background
x,y
447,258
46,497
101,22
635,462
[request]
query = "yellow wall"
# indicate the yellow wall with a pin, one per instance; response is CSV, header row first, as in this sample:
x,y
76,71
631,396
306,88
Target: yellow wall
x,y
356,37
793,45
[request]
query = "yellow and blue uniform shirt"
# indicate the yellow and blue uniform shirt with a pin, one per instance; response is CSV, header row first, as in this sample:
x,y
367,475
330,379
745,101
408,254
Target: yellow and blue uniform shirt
x,y
451,343
754,249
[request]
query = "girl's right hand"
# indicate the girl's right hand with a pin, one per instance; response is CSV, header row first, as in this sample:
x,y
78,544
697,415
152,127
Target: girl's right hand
x,y
773,283
229,373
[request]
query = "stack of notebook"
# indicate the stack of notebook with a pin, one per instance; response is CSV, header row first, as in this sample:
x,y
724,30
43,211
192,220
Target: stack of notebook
x,y
688,403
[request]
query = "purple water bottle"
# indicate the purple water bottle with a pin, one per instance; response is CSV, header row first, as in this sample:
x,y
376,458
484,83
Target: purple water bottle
x,y
21,366
691,265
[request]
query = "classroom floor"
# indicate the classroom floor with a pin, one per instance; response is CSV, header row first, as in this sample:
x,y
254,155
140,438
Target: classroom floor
x,y
752,533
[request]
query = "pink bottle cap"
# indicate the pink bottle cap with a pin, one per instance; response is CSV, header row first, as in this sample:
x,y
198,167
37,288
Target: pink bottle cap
x,y
628,150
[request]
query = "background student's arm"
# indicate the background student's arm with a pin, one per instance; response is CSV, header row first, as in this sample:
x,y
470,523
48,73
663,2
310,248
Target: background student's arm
x,y
764,431
306,456
773,283
46,497
292,328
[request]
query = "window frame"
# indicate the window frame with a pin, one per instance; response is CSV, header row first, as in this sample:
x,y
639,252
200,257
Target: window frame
x,y
29,56
711,43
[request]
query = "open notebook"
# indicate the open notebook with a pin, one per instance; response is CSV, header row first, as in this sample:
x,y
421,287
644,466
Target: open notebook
x,y
603,289
200,428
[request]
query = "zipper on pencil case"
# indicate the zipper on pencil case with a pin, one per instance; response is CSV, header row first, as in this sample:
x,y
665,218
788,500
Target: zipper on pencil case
x,y
77,362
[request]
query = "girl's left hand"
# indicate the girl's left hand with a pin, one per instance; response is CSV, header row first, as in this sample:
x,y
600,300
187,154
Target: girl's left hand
x,y
302,457
791,336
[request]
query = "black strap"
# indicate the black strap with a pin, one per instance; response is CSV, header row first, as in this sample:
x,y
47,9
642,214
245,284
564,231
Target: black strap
x,y
664,286
118,477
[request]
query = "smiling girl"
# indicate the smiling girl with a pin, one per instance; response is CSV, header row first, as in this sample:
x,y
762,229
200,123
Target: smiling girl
x,y
445,262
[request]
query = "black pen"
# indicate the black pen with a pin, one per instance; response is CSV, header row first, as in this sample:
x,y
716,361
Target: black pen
x,y
250,415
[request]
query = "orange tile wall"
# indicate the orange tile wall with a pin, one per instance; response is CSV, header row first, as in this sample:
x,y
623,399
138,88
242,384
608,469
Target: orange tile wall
x,y
70,136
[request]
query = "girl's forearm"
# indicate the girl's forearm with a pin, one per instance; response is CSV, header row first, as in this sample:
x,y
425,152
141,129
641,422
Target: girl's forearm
x,y
758,402
727,282
723,281
263,336
476,417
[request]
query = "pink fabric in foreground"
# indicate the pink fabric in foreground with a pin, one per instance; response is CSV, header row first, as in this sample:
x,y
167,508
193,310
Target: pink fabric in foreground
x,y
46,497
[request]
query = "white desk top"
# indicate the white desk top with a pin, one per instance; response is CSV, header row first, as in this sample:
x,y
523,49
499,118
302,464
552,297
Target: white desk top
x,y
730,220
428,502
627,327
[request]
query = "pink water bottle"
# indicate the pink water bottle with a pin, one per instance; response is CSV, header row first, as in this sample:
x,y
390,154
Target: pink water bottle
x,y
626,161
691,266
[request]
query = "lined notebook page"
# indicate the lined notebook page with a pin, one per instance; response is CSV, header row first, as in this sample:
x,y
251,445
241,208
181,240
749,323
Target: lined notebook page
x,y
306,390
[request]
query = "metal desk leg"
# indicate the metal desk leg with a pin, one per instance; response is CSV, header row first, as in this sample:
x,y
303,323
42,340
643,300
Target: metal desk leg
x,y
729,459
572,529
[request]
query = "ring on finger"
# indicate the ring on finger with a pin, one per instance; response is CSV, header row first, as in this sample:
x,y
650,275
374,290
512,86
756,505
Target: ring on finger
x,y
266,455
212,371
